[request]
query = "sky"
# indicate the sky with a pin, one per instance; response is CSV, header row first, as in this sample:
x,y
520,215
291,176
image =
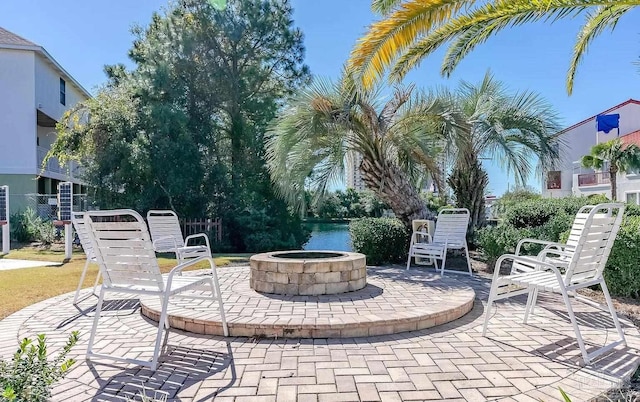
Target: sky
x,y
83,36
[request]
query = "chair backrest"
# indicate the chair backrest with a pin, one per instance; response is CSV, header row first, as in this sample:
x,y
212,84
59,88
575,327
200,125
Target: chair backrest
x,y
123,250
451,226
77,219
165,230
594,232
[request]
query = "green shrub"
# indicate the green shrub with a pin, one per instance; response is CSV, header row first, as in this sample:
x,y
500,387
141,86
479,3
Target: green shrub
x,y
622,272
529,214
534,213
502,239
382,240
29,375
27,227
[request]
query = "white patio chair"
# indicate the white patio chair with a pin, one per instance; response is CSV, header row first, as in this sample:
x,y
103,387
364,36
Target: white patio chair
x,y
450,233
77,219
562,259
167,237
566,269
127,260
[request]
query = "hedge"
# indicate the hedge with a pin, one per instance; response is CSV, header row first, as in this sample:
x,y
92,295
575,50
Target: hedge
x,y
623,272
382,240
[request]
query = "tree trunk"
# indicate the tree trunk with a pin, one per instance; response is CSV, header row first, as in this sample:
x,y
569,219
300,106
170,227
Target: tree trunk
x,y
392,185
469,182
613,177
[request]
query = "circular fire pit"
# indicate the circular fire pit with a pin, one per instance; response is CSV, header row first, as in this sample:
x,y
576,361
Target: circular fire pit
x,y
308,272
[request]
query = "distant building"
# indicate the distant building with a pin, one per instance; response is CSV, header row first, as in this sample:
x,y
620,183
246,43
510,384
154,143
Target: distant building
x,y
570,178
36,91
353,175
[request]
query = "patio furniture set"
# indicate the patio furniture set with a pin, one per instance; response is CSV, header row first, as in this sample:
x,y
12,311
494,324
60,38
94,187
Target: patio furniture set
x,y
120,242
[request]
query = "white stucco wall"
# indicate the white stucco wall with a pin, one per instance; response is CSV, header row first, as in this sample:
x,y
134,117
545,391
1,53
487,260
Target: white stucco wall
x,y
578,142
17,112
47,82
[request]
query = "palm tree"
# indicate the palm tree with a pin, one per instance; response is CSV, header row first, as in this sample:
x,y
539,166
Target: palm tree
x,y
328,124
512,129
621,158
413,29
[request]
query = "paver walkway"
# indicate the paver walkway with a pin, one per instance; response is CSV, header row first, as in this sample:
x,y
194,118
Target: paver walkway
x,y
516,362
7,263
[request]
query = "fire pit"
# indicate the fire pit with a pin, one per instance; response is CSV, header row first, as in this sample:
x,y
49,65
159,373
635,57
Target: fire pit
x,y
308,272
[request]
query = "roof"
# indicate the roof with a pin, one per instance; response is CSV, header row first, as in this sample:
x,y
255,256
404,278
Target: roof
x,y
611,109
631,138
9,38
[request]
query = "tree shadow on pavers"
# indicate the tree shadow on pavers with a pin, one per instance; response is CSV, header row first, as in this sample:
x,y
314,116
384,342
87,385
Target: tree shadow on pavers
x,y
617,363
368,292
118,305
590,319
179,368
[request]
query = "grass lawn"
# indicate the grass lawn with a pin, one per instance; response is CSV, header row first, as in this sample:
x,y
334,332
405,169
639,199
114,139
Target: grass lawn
x,y
20,288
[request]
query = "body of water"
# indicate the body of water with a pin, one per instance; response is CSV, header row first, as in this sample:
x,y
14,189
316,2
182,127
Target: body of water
x,y
329,236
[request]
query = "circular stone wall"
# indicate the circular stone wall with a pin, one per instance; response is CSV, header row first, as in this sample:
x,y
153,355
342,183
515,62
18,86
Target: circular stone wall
x,y
308,273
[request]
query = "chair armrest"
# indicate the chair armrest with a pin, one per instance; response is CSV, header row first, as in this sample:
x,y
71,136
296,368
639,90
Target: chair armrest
x,y
414,236
527,260
536,241
164,238
178,268
195,236
547,251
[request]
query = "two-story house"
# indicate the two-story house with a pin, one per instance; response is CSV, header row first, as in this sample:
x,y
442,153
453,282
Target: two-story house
x,y
570,178
36,91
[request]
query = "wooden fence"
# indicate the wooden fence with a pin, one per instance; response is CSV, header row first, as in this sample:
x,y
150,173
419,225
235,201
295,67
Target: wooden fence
x,y
213,227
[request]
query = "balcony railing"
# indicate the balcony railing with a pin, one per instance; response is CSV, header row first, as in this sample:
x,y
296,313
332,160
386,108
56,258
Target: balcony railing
x,y
52,166
594,179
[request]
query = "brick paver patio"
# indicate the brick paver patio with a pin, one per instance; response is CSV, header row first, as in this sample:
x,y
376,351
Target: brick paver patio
x,y
516,362
385,306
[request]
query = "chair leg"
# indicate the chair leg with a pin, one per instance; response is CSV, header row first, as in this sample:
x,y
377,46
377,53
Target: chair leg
x,y
95,321
492,295
574,323
409,259
95,283
216,286
534,301
466,250
528,309
84,273
444,259
612,311
164,321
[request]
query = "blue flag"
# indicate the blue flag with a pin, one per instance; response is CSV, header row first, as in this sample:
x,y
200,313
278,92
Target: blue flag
x,y
608,122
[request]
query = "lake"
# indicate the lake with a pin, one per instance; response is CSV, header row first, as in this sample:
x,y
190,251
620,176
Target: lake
x,y
328,236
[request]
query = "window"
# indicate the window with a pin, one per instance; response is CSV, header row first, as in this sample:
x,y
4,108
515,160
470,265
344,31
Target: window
x,y
63,92
632,198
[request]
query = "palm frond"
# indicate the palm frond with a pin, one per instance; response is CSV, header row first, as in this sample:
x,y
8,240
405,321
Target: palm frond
x,y
307,134
512,129
384,7
604,17
388,38
471,29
